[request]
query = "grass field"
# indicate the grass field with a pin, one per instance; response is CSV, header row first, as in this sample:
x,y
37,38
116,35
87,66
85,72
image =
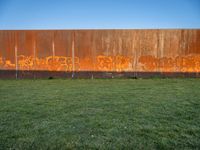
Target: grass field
x,y
100,113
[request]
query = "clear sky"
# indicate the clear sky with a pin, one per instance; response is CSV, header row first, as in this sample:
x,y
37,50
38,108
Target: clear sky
x,y
95,14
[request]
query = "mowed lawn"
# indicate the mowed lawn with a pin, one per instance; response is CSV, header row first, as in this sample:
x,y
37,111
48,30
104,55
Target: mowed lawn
x,y
100,114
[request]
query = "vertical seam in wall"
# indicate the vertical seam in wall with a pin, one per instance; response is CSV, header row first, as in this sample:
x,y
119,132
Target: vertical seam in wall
x,y
135,55
16,58
34,53
73,54
53,45
158,47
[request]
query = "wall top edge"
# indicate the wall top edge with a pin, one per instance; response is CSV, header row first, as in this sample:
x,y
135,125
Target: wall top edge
x,y
166,29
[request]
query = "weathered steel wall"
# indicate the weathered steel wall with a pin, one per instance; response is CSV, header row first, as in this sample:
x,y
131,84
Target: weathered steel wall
x,y
89,52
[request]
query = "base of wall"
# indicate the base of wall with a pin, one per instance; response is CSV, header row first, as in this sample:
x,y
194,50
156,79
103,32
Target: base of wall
x,y
12,74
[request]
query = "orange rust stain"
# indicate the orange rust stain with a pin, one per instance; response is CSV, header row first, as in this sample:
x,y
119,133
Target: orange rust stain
x,y
1,62
148,63
166,64
189,63
101,50
104,63
86,64
56,63
9,65
114,63
61,63
123,63
6,64
25,63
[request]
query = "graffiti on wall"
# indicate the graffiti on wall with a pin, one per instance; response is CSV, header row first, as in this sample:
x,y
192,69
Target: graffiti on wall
x,y
50,63
61,63
114,63
190,63
101,50
6,64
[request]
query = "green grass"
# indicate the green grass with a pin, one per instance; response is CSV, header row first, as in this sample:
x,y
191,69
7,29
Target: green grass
x,y
101,113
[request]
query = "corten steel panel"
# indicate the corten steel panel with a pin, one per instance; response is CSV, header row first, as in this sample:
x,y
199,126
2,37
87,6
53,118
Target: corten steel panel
x,y
62,51
83,50
44,50
110,52
25,50
113,51
8,50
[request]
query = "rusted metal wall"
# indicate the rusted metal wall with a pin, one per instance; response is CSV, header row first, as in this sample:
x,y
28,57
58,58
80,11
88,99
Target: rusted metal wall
x,y
116,51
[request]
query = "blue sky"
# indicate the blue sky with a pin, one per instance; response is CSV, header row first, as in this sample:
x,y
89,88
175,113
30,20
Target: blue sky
x,y
95,14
